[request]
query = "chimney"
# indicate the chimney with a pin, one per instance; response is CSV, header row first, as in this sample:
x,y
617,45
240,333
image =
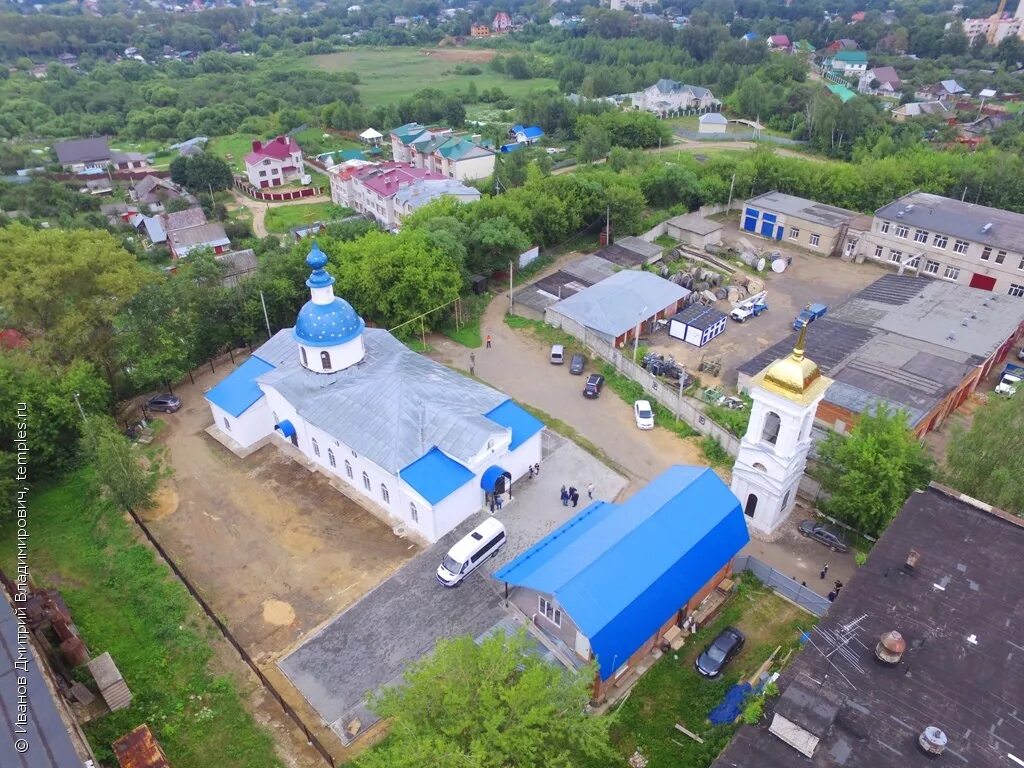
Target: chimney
x,y
932,741
257,145
890,647
912,558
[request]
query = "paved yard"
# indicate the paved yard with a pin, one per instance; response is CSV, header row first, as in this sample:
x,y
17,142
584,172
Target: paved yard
x,y
368,645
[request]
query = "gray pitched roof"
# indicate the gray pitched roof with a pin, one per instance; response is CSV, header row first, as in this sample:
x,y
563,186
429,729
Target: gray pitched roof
x,y
393,407
205,234
958,219
82,150
190,217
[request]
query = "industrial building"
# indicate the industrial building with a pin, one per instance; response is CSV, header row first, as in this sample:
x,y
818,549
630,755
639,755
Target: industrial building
x,y
914,664
918,345
796,221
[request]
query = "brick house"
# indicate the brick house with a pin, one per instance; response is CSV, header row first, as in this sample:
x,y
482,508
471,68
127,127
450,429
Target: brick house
x,y
273,163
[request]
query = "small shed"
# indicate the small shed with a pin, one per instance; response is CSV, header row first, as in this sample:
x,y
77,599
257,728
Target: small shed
x,y
713,122
697,324
108,679
694,230
371,136
140,749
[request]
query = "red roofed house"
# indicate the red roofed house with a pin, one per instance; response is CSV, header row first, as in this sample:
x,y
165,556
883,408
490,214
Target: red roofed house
x,y
502,22
273,163
779,43
857,17
380,190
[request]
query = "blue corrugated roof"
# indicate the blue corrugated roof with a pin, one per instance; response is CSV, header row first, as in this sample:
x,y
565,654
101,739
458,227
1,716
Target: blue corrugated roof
x,y
533,132
620,570
239,390
523,425
435,476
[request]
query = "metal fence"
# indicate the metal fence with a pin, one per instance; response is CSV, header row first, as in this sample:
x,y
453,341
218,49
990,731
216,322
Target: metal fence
x,y
792,590
745,136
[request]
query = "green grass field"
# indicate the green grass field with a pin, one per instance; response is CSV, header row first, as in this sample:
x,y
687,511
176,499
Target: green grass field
x,y
236,144
390,74
283,218
125,602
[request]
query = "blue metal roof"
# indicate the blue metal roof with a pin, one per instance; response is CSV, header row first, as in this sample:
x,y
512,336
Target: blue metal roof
x,y
523,425
239,390
435,476
620,570
286,427
533,132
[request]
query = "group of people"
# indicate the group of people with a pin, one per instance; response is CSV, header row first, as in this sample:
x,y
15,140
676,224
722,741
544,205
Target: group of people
x,y
570,494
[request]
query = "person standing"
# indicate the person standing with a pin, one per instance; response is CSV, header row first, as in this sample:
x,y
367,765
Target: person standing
x,y
832,596
472,369
574,495
498,501
590,491
488,341
565,497
824,571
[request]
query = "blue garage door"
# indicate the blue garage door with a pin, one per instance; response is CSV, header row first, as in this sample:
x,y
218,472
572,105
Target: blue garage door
x,y
768,229
778,232
750,220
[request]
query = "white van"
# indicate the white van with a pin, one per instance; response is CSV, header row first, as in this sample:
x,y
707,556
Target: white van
x,y
464,558
557,354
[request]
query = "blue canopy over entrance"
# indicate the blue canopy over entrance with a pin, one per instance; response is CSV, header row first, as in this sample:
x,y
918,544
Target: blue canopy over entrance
x,y
286,428
493,479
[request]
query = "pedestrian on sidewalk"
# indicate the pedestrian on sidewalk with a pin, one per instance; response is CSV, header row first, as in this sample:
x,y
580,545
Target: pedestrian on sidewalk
x,y
531,471
488,341
574,495
472,369
590,491
536,469
824,571
472,358
565,497
498,501
832,596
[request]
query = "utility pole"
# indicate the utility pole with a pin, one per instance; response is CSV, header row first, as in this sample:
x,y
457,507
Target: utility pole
x,y
510,285
608,225
636,338
79,404
266,319
732,184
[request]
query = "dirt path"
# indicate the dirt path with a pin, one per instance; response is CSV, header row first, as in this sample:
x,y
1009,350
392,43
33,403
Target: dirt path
x,y
259,209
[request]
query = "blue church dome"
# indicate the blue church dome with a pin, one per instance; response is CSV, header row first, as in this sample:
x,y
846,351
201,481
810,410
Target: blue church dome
x,y
325,325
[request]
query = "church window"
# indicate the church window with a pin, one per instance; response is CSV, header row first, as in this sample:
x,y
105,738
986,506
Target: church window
x,y
348,469
384,493
772,425
785,500
366,481
316,447
750,506
330,458
414,513
302,351
325,360
227,424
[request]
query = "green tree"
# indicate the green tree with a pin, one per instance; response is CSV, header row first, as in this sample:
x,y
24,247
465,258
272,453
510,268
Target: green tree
x,y
120,472
594,141
201,173
63,288
984,461
156,335
492,243
869,473
490,705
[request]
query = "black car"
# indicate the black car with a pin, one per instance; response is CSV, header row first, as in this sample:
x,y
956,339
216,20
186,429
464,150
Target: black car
x,y
828,535
592,389
577,364
721,651
166,403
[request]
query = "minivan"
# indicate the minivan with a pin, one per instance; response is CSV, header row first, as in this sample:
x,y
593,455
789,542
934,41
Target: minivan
x,y
466,556
557,354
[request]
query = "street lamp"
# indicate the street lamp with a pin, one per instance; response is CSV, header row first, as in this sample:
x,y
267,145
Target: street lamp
x,y
79,404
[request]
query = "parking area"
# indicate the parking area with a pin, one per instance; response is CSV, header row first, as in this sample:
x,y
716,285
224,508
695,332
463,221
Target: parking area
x,y
808,279
368,645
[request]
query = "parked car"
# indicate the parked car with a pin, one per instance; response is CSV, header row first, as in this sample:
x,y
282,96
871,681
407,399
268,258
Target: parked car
x,y
470,551
720,652
643,414
809,314
166,403
592,389
557,354
577,364
829,535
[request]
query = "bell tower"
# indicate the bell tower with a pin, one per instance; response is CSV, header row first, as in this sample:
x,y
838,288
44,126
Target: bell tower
x,y
773,452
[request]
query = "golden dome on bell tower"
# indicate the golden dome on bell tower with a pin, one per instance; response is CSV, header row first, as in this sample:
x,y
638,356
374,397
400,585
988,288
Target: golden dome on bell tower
x,y
795,376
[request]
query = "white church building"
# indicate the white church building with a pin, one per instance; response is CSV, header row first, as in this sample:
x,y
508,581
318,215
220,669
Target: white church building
x,y
773,453
422,442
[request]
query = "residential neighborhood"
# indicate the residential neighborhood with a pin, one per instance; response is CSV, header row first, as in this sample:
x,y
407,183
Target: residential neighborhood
x,y
614,384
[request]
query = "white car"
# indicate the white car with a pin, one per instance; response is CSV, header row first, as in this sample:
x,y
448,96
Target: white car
x,y
644,414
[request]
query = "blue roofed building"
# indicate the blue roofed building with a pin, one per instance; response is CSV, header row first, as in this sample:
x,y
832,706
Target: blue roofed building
x,y
612,581
526,134
423,445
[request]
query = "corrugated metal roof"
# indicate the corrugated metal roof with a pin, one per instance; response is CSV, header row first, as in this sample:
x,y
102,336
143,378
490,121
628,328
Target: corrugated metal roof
x,y
140,749
620,570
393,407
523,424
699,316
436,476
238,390
617,304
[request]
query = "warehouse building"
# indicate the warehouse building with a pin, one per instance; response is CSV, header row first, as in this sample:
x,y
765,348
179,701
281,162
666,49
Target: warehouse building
x,y
805,223
917,345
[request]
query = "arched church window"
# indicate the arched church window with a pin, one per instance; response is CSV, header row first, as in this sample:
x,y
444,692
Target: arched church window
x,y
227,424
316,447
330,458
325,360
384,493
414,513
366,481
348,469
750,506
302,351
772,425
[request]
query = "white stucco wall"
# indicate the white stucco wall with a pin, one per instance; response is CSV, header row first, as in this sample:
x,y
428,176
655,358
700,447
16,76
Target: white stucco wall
x,y
474,168
451,511
253,425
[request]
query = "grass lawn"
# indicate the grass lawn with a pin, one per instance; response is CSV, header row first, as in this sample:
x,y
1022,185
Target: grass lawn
x,y
283,218
127,603
468,332
672,691
236,144
390,74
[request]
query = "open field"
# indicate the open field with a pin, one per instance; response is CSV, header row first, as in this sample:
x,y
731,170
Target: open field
x,y
236,144
390,74
672,691
283,218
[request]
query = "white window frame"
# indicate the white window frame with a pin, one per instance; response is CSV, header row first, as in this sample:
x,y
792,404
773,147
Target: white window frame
x,y
961,246
547,609
814,239
901,231
316,447
884,228
1000,257
951,273
794,233
331,459
227,424
366,482
986,253
414,513
913,262
879,251
895,256
931,267
921,236
348,470
384,493
940,241
1016,290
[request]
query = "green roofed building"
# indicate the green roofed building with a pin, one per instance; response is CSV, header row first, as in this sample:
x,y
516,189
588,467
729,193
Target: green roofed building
x,y
844,93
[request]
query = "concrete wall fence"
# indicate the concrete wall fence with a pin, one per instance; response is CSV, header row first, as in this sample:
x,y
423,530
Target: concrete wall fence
x,y
662,229
792,590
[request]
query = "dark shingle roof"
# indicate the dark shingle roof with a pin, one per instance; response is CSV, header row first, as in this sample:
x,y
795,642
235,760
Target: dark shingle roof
x,y
82,150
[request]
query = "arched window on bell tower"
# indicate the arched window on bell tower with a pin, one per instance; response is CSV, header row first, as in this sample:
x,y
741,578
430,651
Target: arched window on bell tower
x,y
772,425
325,360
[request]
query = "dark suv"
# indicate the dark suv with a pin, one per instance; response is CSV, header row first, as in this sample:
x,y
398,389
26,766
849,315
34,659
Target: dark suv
x,y
592,389
829,535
